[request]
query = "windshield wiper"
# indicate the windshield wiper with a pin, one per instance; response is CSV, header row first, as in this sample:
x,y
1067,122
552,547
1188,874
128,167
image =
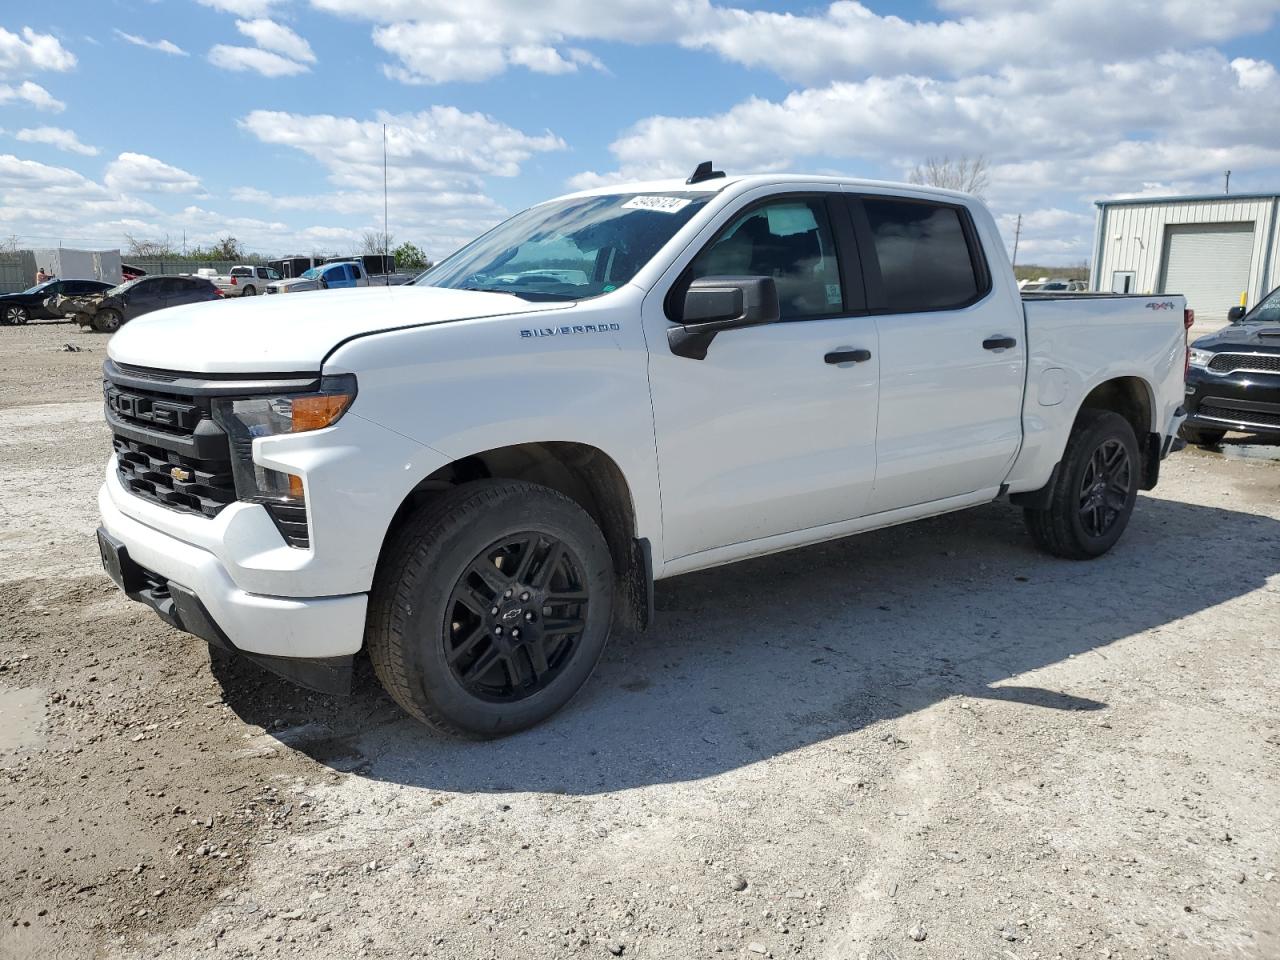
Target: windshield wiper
x,y
531,295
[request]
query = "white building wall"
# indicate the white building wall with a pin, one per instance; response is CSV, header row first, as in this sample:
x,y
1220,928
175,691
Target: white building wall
x,y
1131,237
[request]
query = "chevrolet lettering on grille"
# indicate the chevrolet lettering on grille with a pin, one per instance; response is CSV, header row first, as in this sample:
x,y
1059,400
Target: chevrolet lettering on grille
x,y
162,413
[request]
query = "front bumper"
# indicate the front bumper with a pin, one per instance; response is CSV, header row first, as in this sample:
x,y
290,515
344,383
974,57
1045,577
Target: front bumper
x,y
181,607
1245,402
205,600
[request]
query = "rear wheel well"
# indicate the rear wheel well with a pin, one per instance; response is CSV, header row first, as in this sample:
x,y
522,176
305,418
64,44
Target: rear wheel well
x,y
1131,398
584,474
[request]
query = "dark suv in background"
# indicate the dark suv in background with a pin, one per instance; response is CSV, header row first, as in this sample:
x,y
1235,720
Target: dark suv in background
x,y
1234,379
105,312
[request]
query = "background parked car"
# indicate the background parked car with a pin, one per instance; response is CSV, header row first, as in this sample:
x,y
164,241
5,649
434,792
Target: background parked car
x,y
330,276
1054,286
129,272
245,280
105,312
30,303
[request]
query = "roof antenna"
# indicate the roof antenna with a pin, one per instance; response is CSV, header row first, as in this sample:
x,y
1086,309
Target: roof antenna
x,y
704,172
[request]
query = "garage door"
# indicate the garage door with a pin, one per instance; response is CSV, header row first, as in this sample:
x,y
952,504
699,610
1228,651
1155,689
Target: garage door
x,y
1209,264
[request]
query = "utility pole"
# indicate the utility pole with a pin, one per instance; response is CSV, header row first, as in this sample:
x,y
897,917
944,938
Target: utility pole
x,y
1017,235
386,240
1227,189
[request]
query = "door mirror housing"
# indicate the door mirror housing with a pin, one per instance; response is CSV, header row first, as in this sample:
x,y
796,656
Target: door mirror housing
x,y
715,304
1235,314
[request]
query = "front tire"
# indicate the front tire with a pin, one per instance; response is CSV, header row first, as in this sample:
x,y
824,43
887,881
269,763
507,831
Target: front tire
x,y
16,315
1095,490
490,608
107,321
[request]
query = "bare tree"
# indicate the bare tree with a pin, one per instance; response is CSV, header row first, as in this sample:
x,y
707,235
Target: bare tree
x,y
375,241
9,245
141,249
964,173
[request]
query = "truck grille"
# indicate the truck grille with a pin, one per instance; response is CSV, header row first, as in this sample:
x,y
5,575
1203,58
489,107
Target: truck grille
x,y
1252,362
166,478
168,449
1260,418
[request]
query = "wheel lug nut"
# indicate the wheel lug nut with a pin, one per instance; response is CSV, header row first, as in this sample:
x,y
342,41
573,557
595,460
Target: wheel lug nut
x,y
493,611
524,597
498,631
515,632
529,616
508,593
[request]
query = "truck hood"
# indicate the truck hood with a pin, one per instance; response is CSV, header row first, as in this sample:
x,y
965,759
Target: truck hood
x,y
1253,335
287,334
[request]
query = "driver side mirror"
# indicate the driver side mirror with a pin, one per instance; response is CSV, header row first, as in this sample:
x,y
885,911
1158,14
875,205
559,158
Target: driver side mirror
x,y
1235,314
714,304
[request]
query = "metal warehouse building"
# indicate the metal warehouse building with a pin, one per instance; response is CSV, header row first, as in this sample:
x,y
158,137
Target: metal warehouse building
x,y
1211,249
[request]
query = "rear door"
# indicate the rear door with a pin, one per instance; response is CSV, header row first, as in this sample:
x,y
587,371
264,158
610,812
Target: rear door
x,y
774,430
952,357
147,295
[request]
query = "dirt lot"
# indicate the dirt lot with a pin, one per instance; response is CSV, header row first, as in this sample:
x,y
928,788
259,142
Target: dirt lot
x,y
931,742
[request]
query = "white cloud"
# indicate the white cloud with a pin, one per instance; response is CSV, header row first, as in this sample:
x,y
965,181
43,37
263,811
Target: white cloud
x,y
426,149
252,58
139,173
1254,74
33,51
278,38
242,8
57,137
163,46
32,93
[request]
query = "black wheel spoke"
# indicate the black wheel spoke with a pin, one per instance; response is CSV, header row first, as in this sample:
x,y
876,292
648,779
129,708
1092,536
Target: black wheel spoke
x,y
554,627
1105,487
483,664
562,597
468,644
548,567
492,578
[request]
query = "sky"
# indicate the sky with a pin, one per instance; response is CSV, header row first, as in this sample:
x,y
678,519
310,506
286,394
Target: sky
x,y
263,119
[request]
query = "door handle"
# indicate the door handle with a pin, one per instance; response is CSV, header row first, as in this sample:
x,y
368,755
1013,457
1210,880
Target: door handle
x,y
999,343
848,356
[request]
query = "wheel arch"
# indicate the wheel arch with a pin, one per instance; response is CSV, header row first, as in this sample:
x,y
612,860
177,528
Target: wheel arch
x,y
1133,398
583,473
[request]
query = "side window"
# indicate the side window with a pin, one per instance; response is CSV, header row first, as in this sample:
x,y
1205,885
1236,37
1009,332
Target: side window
x,y
789,240
272,275
352,273
924,256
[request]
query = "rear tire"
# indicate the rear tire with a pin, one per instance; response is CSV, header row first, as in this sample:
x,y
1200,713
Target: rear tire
x,y
490,608
1095,490
107,321
1202,438
250,291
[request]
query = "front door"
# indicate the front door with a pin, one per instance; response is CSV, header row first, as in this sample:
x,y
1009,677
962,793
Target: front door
x,y
774,431
952,353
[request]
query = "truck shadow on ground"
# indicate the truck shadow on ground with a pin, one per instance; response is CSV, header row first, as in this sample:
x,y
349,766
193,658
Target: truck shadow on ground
x,y
767,656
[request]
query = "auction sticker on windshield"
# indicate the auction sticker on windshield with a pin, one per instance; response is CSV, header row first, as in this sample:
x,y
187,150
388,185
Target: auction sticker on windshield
x,y
659,204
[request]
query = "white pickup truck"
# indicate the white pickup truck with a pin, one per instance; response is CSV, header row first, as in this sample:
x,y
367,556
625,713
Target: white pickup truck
x,y
477,477
245,280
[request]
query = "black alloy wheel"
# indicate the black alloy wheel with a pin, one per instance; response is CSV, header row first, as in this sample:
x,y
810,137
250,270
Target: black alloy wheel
x,y
1105,488
515,617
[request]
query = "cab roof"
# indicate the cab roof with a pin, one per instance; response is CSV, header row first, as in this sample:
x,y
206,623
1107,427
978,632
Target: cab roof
x,y
742,183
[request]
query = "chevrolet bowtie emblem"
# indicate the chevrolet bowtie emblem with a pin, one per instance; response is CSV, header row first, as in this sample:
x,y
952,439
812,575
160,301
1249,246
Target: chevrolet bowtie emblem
x,y
179,474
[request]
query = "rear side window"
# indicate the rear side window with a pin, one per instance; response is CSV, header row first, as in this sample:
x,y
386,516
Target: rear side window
x,y
242,271
924,255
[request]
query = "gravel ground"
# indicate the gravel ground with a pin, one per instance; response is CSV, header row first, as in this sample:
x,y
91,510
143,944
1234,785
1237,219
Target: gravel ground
x,y
930,742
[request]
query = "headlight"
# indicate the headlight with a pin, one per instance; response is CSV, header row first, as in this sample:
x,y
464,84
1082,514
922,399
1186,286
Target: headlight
x,y
1199,358
247,419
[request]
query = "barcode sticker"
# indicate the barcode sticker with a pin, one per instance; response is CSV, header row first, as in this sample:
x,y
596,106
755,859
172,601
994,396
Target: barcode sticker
x,y
657,204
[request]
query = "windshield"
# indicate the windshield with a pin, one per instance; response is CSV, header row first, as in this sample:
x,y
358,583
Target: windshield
x,y
568,249
312,274
1268,311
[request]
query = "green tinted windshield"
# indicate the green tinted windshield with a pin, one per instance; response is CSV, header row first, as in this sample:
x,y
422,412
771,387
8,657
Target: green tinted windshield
x,y
568,249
